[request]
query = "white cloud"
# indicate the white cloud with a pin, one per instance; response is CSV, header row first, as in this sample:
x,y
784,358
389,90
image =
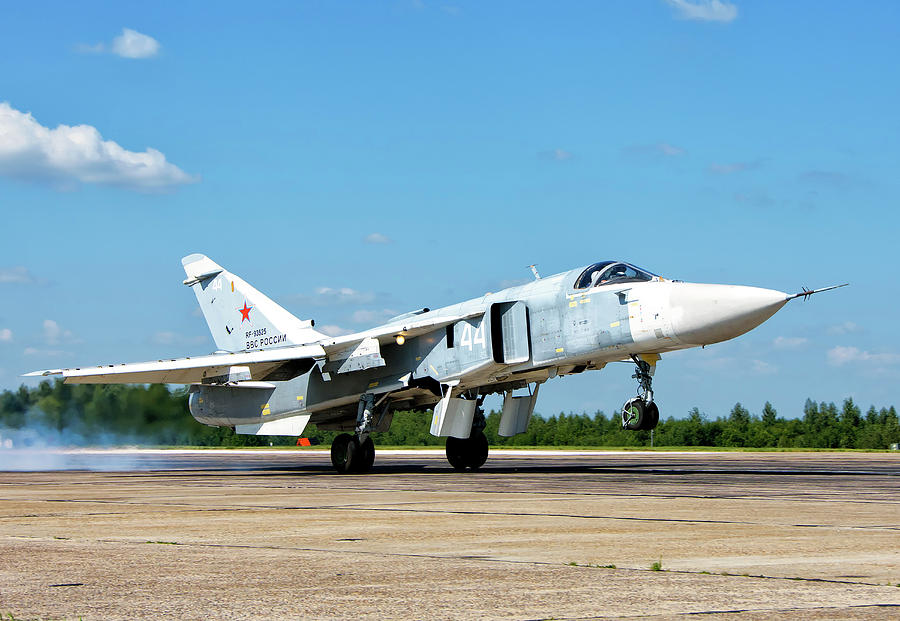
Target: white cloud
x,y
329,296
789,342
332,330
377,238
761,367
15,274
129,44
50,353
373,316
5,335
705,10
840,355
67,154
54,334
844,328
133,44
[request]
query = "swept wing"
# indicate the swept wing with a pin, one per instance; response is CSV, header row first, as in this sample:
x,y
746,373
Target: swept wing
x,y
268,364
260,365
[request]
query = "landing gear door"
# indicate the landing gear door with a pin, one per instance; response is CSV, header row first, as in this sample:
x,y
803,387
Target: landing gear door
x,y
510,332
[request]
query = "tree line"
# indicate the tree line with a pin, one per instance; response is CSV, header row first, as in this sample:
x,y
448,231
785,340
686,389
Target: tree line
x,y
85,414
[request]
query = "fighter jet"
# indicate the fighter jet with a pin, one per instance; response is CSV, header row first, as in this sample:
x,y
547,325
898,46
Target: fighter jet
x,y
274,373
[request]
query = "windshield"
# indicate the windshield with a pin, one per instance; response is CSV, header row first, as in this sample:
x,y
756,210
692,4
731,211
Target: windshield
x,y
608,272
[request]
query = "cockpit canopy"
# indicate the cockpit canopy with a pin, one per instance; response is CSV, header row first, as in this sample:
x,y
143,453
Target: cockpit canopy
x,y
609,272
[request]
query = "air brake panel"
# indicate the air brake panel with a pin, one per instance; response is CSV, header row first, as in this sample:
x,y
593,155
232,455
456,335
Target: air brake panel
x,y
510,332
453,416
517,413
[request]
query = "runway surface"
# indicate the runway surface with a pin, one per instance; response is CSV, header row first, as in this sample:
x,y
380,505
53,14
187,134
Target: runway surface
x,y
275,534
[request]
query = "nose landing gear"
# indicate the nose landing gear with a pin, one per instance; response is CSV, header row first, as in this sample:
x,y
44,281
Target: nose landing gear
x,y
640,413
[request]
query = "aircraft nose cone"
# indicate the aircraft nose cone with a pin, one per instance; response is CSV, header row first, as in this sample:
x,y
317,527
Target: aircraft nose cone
x,y
704,314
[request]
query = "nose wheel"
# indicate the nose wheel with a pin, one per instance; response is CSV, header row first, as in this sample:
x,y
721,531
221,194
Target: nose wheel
x,y
637,415
641,413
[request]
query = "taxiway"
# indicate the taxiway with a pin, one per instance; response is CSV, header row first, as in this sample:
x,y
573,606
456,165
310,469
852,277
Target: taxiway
x,y
535,534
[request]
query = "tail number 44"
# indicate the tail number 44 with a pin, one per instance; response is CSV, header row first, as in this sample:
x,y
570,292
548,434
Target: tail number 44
x,y
471,337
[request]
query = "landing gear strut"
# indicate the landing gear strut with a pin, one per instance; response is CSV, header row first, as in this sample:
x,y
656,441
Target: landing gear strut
x,y
470,453
640,413
356,454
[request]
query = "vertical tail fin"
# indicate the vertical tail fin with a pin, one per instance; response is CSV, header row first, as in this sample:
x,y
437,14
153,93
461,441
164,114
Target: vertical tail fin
x,y
239,316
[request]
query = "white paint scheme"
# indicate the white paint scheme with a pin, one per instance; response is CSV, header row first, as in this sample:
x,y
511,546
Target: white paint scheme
x,y
286,374
703,314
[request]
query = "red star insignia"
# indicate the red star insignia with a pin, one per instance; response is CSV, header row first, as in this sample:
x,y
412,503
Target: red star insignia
x,y
245,312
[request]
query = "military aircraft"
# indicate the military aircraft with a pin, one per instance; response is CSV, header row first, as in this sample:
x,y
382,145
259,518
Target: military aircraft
x,y
274,373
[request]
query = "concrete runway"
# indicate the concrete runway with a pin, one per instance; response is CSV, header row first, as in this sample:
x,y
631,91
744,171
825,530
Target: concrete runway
x,y
274,534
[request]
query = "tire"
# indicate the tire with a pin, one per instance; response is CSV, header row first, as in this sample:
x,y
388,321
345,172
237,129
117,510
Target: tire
x,y
365,457
478,450
345,453
634,414
467,453
651,417
456,453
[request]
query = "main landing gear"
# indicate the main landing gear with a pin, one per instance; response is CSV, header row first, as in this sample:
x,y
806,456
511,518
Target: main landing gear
x,y
640,413
355,454
350,456
470,453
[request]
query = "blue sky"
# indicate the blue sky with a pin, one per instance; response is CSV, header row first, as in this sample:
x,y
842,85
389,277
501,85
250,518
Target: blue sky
x,y
357,160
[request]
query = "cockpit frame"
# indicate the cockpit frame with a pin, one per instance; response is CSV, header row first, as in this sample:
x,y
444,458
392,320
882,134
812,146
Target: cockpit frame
x,y
612,272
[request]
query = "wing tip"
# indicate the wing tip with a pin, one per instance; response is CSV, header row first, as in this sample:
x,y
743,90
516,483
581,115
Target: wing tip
x,y
44,373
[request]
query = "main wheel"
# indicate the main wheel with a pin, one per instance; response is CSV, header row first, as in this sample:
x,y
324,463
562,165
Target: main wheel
x,y
478,450
467,453
365,457
634,414
345,453
456,452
